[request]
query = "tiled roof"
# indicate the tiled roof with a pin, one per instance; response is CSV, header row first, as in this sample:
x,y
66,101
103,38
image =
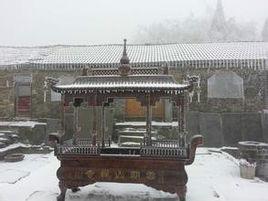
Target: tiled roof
x,y
86,84
109,55
235,54
21,55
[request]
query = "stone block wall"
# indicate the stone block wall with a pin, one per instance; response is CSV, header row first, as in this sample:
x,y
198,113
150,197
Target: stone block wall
x,y
227,129
265,124
253,89
231,128
227,122
210,125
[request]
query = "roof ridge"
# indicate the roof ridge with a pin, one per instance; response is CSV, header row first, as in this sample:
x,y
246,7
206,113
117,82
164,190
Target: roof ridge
x,y
159,44
130,44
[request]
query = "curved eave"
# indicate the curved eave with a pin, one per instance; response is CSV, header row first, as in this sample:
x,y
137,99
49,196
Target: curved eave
x,y
107,90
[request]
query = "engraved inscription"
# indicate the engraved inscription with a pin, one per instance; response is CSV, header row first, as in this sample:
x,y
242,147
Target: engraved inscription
x,y
105,173
90,174
111,174
119,174
135,175
150,175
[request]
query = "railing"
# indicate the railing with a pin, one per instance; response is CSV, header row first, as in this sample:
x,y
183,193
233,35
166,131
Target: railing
x,y
82,146
165,149
166,143
157,148
89,142
79,150
164,152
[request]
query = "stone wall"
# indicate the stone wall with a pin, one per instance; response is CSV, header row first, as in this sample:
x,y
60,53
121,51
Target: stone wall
x,y
265,125
253,89
227,129
222,121
40,109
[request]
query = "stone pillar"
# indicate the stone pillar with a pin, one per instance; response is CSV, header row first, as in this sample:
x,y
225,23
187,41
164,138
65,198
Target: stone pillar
x,y
168,110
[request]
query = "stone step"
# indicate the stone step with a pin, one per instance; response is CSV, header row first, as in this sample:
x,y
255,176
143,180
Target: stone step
x,y
130,139
2,145
130,144
134,132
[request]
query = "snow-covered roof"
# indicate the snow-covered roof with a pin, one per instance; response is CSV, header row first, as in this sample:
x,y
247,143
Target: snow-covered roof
x,y
232,54
85,84
20,55
155,55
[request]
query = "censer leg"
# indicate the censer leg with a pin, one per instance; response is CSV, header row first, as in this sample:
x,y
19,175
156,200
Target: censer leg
x,y
63,190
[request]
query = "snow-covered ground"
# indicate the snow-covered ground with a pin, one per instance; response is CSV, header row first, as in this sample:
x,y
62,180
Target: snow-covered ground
x,y
143,123
11,124
212,177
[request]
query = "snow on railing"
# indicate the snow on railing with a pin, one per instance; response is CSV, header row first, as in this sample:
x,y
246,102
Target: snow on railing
x,y
81,150
164,152
88,142
166,143
165,149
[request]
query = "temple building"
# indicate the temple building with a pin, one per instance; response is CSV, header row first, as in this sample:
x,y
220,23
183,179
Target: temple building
x,y
180,59
231,80
244,55
246,59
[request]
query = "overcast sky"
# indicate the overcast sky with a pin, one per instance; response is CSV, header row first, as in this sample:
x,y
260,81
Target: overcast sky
x,y
48,22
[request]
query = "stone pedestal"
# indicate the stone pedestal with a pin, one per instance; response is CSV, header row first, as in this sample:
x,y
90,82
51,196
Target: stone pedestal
x,y
256,152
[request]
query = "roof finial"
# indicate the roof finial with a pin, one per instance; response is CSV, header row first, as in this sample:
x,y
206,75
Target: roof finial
x,y
125,47
124,59
124,68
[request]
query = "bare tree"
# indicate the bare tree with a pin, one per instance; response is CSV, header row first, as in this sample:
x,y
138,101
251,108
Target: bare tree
x,y
210,28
